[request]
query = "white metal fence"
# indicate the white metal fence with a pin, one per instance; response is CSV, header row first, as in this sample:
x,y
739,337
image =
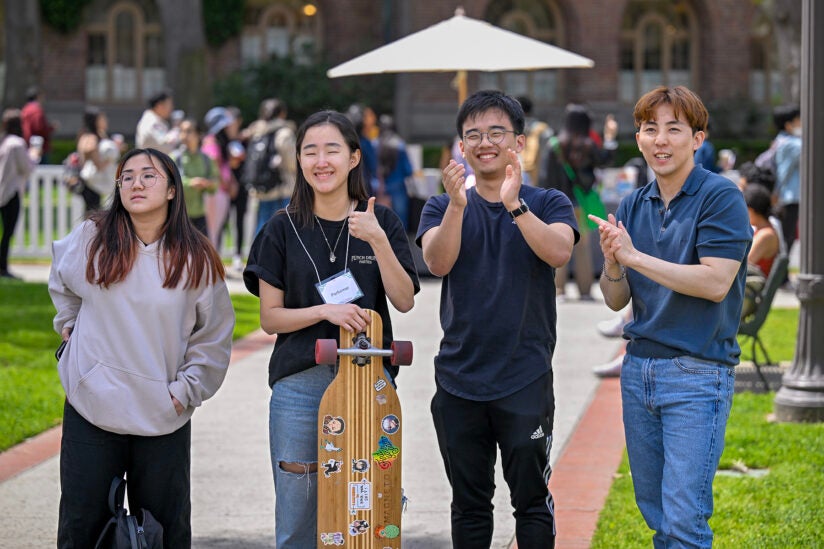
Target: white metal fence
x,y
49,212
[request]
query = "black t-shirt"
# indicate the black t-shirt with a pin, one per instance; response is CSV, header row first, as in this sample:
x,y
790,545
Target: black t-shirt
x,y
498,301
278,258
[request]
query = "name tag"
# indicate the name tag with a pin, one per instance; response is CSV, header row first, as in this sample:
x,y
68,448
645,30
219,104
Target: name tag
x,y
339,289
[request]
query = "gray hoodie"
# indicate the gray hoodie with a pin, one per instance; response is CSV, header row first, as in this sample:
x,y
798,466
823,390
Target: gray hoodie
x,y
136,343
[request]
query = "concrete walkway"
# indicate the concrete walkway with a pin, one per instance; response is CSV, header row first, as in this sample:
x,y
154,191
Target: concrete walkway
x,y
232,492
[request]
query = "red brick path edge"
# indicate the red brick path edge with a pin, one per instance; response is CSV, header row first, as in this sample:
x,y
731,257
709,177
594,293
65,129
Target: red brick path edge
x,y
584,473
38,449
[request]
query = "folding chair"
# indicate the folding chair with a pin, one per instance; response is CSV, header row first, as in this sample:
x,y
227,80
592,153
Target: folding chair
x,y
751,325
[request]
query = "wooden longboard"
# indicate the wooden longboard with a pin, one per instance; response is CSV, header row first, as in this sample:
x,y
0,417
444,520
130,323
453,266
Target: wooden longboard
x,y
359,454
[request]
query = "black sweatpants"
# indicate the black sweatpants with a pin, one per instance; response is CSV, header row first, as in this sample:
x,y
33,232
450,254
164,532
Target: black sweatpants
x,y
157,479
469,433
10,212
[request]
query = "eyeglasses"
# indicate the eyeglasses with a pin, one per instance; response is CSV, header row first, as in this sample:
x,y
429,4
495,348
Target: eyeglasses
x,y
473,138
147,180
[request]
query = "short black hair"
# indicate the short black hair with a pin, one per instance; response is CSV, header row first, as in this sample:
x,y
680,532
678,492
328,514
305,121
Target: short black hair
x,y
486,100
159,97
32,93
758,198
755,175
783,114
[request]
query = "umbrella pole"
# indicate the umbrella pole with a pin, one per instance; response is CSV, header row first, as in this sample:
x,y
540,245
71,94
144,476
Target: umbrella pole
x,y
459,82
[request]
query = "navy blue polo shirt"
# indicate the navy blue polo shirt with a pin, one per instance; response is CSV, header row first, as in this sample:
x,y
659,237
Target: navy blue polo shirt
x,y
498,301
707,218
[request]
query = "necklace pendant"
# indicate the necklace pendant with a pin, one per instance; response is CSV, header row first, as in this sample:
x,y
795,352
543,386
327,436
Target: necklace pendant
x,y
332,257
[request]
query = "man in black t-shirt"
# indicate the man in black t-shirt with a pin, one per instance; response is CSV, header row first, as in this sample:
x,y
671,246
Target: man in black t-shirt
x,y
496,245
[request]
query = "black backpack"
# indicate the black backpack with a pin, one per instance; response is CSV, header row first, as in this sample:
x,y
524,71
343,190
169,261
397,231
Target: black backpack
x,y
125,531
261,171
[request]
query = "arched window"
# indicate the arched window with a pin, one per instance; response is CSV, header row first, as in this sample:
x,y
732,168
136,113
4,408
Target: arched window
x,y
282,29
657,47
765,84
124,55
540,20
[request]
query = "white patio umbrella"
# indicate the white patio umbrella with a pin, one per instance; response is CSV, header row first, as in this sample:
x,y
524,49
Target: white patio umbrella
x,y
461,44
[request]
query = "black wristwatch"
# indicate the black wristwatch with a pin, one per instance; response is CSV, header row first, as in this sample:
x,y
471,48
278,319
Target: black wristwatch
x,y
522,209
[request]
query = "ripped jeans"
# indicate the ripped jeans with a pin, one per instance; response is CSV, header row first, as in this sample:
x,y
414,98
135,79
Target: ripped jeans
x,y
293,428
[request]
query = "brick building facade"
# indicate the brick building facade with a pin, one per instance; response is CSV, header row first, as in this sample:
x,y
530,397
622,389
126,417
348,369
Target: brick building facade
x,y
720,48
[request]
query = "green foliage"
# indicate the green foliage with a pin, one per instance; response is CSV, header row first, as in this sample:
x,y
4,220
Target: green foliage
x,y
222,20
63,15
31,396
304,87
778,334
781,509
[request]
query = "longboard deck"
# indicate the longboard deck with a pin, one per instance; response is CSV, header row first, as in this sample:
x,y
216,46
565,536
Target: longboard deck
x,y
359,454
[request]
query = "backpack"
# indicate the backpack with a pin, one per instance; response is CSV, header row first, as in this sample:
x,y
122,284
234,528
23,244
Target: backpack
x,y
261,171
125,531
767,158
535,149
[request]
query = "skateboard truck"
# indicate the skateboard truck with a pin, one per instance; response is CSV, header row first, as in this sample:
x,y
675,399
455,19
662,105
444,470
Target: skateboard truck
x,y
327,351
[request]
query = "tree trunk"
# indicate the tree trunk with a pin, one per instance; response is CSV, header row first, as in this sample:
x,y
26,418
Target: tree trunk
x,y
186,55
786,17
22,55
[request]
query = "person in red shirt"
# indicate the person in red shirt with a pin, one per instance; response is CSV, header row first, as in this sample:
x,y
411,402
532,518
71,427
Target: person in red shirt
x,y
35,122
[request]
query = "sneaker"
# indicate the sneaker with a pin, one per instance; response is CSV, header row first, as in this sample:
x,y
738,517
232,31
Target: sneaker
x,y
6,274
611,368
237,263
612,328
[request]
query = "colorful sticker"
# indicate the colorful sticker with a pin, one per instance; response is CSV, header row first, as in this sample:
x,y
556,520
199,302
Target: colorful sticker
x,y
333,425
358,527
386,453
329,447
390,424
389,531
381,399
380,384
331,466
360,465
332,538
360,496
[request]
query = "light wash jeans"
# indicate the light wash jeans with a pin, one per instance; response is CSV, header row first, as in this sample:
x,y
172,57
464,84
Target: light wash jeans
x,y
293,437
675,415
266,209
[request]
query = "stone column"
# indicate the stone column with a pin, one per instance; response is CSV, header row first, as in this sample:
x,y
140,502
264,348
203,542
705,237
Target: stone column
x,y
801,396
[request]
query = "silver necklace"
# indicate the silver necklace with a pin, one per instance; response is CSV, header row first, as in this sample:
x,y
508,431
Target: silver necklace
x,y
332,256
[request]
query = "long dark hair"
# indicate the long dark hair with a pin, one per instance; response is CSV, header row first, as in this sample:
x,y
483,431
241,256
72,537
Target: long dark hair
x,y
302,204
186,251
90,116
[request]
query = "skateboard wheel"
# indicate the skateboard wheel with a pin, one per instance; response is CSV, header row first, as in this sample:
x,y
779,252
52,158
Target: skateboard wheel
x,y
401,353
326,351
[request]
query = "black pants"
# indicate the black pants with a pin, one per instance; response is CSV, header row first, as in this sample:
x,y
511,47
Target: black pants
x,y
157,474
788,215
468,432
239,204
10,212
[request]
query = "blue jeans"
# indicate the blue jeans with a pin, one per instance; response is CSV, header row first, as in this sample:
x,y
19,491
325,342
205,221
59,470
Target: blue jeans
x,y
675,415
293,438
266,209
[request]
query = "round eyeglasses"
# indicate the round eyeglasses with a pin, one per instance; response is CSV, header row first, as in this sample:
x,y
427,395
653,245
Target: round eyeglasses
x,y
473,138
147,180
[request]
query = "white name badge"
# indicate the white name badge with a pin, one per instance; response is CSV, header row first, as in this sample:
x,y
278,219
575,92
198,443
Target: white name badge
x,y
339,289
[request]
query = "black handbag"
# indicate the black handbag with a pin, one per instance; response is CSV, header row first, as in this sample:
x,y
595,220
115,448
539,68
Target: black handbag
x,y
125,531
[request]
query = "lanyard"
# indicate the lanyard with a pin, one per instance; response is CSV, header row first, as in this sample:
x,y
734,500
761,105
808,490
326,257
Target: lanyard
x,y
317,274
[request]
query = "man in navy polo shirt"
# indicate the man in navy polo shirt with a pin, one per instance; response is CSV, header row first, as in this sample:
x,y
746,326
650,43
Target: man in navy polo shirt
x,y
496,245
677,247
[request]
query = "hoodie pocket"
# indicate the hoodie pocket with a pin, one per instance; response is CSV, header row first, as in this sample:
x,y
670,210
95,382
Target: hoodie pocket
x,y
121,401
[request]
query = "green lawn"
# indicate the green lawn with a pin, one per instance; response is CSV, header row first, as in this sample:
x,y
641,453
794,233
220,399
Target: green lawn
x,y
31,397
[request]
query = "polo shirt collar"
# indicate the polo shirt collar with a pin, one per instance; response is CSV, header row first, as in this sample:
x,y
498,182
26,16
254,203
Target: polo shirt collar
x,y
691,186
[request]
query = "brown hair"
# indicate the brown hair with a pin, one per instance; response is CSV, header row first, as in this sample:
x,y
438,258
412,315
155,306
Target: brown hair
x,y
686,106
187,253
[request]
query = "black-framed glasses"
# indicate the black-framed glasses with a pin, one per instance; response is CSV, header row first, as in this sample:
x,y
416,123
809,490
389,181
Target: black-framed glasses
x,y
473,138
147,180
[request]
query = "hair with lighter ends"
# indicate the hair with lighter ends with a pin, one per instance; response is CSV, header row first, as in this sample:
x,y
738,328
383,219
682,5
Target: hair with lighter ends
x,y
186,252
486,100
686,106
302,204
